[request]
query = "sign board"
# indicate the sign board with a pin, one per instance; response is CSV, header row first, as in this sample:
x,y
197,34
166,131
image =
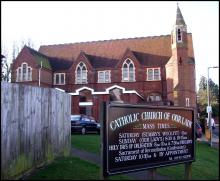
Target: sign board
x,y
209,109
137,137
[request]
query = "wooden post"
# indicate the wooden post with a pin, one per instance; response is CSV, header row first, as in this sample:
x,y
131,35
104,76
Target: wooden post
x,y
152,174
102,128
188,171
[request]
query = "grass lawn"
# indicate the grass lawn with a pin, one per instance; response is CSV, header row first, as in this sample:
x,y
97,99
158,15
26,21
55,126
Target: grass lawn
x,y
71,168
89,142
206,166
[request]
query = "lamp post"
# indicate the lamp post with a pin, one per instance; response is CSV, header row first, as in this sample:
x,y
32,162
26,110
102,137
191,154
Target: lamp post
x,y
209,107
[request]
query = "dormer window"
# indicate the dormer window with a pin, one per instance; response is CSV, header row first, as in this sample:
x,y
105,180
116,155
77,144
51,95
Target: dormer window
x,y
24,73
128,71
81,73
179,35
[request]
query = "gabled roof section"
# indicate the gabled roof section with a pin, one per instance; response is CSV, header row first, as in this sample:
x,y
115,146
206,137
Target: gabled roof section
x,y
50,63
40,58
147,59
101,62
156,45
59,63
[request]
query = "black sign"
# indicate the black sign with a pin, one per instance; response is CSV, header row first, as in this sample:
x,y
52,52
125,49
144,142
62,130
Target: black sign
x,y
137,137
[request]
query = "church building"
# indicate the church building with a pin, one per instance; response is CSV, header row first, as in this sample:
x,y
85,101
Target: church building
x,y
154,70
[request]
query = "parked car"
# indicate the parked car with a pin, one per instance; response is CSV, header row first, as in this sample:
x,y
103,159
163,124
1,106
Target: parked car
x,y
84,124
198,130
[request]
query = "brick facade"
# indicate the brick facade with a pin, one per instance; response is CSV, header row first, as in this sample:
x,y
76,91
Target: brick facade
x,y
169,59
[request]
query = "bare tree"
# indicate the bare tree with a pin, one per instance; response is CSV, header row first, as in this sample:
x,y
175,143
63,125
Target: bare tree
x,y
15,51
5,66
6,61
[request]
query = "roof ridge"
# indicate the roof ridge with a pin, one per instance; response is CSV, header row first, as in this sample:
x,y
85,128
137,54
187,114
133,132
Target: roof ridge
x,y
46,56
36,52
118,39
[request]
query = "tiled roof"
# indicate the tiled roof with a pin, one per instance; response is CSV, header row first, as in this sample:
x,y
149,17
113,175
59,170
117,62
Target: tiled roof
x,y
150,59
40,58
101,62
51,63
114,49
60,64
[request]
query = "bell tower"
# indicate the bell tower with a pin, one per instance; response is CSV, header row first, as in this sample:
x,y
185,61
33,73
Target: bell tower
x,y
180,69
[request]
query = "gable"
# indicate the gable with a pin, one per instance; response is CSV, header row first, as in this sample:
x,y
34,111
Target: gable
x,y
101,62
50,63
147,59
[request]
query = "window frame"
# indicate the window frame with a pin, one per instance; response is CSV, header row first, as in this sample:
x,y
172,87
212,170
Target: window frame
x,y
104,80
29,76
153,75
83,79
154,97
20,76
126,72
187,102
59,79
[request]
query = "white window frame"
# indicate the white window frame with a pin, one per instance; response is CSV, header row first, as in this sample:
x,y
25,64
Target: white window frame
x,y
59,79
81,81
29,78
155,97
24,78
187,102
104,80
19,77
127,78
153,78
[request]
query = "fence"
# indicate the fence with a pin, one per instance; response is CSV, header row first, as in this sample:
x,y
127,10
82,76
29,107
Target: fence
x,y
35,127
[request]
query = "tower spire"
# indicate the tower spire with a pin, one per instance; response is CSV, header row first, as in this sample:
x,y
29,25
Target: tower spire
x,y
179,16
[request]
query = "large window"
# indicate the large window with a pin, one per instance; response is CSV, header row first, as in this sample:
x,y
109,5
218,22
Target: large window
x,y
59,78
81,73
153,74
104,76
128,71
24,73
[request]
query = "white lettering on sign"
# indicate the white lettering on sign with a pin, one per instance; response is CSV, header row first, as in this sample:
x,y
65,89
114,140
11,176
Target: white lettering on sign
x,y
150,116
125,158
121,121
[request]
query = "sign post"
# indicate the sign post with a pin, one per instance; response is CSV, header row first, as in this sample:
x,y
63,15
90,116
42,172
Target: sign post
x,y
140,137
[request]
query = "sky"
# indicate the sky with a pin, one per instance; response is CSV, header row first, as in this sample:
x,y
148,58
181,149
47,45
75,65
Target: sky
x,y
47,23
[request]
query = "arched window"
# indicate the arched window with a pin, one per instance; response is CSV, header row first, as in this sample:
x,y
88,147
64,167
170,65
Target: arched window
x,y
24,73
179,36
128,71
81,73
